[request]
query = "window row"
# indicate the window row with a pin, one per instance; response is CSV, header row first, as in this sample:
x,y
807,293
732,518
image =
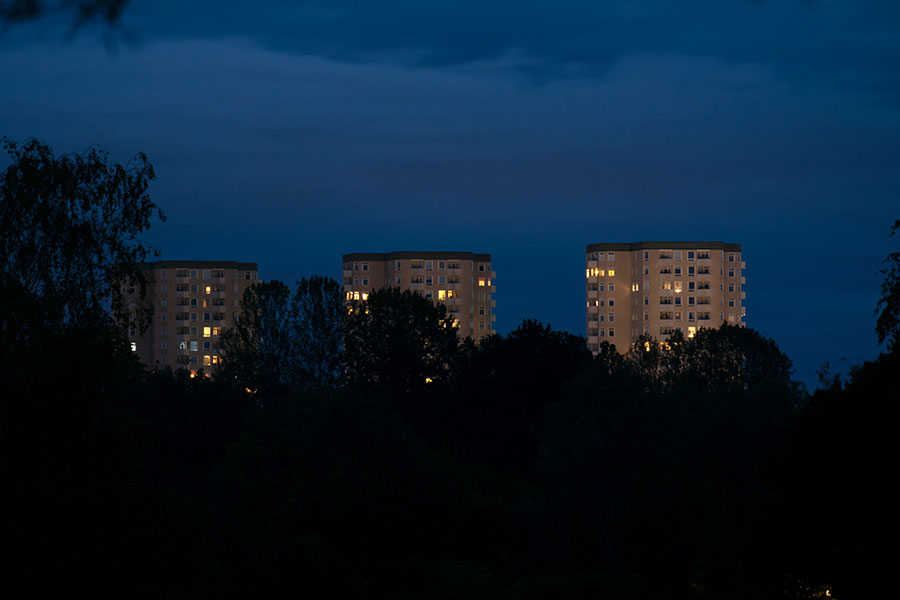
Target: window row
x,y
601,332
595,272
599,316
601,302
208,274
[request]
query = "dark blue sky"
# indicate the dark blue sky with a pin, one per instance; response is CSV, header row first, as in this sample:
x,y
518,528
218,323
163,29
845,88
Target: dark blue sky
x,y
288,133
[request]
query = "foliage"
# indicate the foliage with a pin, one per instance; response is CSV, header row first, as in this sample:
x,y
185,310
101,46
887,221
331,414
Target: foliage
x,y
887,325
85,11
831,519
70,227
317,310
284,339
257,349
398,340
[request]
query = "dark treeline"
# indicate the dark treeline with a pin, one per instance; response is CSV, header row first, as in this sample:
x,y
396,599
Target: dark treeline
x,y
367,452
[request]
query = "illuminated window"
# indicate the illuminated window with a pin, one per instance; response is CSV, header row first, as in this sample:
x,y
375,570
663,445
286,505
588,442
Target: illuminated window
x,y
134,346
665,285
356,295
207,360
207,331
349,295
365,296
442,294
612,272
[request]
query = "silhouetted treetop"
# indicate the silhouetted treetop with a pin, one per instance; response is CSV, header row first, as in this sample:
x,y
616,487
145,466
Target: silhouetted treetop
x,y
70,227
887,325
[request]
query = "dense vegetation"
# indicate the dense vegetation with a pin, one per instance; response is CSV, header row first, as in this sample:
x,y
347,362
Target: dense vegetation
x,y
402,463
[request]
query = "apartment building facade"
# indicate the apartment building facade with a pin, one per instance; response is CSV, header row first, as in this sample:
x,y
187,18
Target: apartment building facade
x,y
193,302
657,288
462,281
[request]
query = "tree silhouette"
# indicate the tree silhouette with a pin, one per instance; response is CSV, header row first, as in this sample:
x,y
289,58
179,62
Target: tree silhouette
x,y
887,325
398,340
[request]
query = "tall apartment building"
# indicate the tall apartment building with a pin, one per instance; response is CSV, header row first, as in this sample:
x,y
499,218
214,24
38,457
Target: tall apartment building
x,y
463,281
657,288
193,301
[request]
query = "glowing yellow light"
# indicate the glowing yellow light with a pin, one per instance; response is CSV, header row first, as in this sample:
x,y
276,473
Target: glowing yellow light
x,y
208,289
365,296
647,346
356,295
612,272
691,332
442,294
428,380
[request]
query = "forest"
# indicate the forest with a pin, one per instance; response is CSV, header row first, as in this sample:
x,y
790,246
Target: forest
x,y
367,451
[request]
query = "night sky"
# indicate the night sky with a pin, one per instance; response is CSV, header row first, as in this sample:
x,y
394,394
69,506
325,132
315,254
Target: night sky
x,y
288,133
